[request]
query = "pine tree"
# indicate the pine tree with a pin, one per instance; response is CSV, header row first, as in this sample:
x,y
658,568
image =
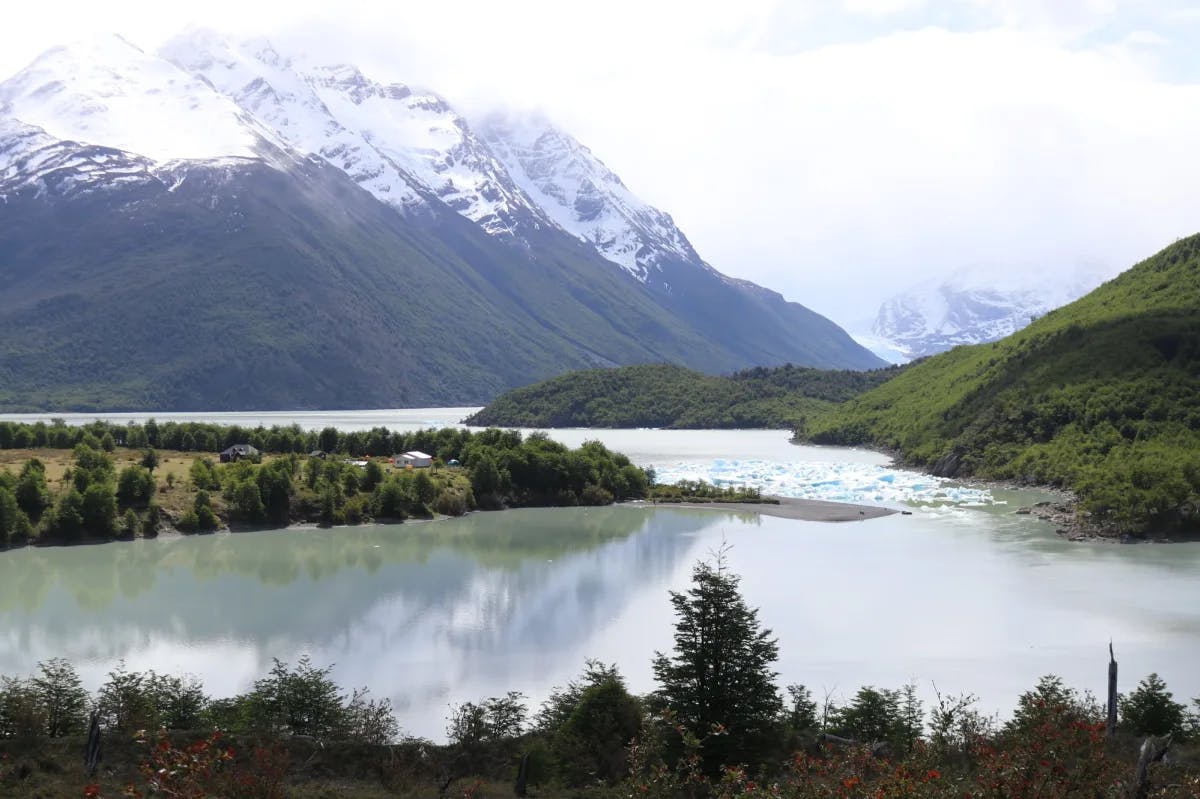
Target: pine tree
x,y
1152,709
719,677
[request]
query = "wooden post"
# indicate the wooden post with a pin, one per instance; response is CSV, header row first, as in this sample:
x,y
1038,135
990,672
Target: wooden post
x,y
1111,726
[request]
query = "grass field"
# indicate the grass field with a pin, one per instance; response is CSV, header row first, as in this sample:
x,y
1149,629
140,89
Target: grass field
x,y
171,498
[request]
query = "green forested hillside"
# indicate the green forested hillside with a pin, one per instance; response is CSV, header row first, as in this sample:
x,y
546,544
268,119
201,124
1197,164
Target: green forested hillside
x,y
248,287
1101,396
661,395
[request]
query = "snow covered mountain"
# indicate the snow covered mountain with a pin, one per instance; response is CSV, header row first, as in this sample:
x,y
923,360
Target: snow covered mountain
x,y
105,91
31,157
584,197
970,308
399,144
521,223
510,173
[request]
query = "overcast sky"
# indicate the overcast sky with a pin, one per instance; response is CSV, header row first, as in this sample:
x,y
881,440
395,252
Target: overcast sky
x,y
834,150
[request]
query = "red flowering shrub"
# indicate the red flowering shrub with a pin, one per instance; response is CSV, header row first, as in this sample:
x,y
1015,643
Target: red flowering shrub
x,y
1053,762
207,769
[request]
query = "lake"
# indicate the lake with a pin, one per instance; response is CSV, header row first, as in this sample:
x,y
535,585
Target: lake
x,y
963,593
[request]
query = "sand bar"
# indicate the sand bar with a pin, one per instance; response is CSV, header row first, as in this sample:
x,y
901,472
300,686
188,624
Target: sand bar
x,y
808,510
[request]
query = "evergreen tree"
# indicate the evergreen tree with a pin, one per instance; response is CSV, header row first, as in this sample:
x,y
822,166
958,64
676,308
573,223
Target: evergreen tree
x,y
33,494
300,701
327,440
1152,710
719,677
99,510
135,487
63,701
150,459
67,519
205,516
8,515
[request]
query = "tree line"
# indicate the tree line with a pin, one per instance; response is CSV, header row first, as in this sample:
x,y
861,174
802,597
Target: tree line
x,y
663,395
494,469
212,438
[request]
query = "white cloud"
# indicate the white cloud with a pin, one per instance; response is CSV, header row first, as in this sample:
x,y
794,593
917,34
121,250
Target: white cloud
x,y
1064,16
1143,38
881,8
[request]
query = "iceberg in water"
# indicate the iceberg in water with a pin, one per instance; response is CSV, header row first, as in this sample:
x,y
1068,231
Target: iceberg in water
x,y
837,482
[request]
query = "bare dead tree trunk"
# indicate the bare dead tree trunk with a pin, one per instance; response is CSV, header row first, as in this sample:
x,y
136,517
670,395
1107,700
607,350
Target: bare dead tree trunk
x,y
1153,750
91,752
521,788
1111,726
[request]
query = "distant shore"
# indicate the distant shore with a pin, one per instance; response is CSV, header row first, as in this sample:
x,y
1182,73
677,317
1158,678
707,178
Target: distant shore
x,y
805,510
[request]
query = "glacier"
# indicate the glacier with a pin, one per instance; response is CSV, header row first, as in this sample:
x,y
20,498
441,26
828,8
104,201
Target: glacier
x,y
973,305
861,483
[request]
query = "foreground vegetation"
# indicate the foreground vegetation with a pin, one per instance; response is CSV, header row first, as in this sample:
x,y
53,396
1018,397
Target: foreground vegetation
x,y
661,395
716,725
1101,396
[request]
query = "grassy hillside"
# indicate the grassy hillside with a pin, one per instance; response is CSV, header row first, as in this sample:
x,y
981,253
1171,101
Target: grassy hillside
x,y
661,395
1101,396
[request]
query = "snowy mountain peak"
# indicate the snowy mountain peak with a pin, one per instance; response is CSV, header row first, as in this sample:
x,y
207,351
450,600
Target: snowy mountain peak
x,y
422,133
354,83
398,144
264,84
205,96
974,305
583,196
106,91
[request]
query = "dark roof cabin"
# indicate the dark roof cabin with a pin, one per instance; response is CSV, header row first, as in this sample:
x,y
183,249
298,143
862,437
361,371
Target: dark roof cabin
x,y
237,452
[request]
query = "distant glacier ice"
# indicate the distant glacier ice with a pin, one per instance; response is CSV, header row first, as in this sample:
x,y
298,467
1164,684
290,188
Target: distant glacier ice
x,y
838,482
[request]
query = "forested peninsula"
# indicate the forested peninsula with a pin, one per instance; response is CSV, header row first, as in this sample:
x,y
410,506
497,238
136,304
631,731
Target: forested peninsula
x,y
1101,396
63,484
662,395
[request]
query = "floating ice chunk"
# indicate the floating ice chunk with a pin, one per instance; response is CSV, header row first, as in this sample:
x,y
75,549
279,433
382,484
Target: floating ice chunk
x,y
841,482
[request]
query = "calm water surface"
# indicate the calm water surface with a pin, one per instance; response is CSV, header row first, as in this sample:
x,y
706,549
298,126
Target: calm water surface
x,y
429,614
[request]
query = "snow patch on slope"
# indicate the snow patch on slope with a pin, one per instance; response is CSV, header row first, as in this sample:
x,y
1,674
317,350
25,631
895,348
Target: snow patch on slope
x,y
431,141
583,196
29,157
264,84
106,91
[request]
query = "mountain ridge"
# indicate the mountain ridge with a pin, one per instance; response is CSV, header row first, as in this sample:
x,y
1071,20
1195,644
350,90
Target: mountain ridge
x,y
278,122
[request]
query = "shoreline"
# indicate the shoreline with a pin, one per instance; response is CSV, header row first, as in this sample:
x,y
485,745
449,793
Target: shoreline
x,y
809,510
805,510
